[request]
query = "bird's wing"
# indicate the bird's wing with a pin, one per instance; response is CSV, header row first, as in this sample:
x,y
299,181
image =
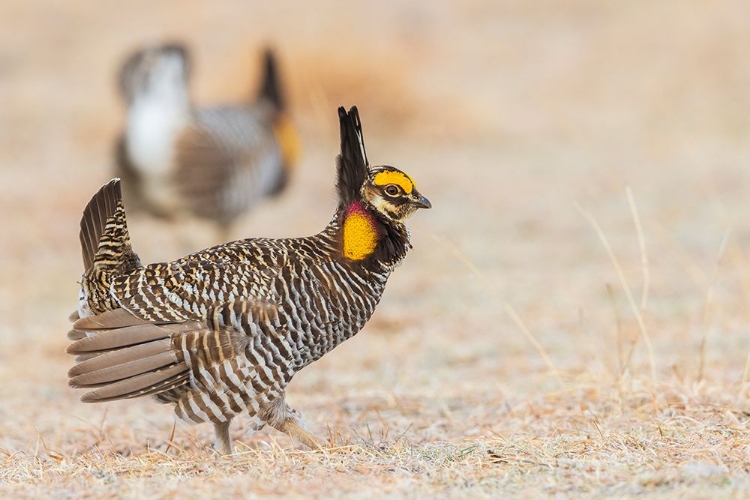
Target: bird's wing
x,y
121,356
188,288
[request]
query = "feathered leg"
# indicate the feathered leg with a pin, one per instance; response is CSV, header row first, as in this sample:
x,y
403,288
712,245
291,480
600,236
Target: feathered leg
x,y
294,427
279,415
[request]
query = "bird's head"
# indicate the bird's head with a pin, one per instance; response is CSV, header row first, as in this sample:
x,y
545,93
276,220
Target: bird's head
x,y
384,190
392,193
159,70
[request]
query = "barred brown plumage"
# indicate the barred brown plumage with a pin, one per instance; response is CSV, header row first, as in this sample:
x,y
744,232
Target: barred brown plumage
x,y
214,163
222,331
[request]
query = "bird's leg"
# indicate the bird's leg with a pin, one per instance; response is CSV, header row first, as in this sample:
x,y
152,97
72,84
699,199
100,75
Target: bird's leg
x,y
223,442
279,415
294,427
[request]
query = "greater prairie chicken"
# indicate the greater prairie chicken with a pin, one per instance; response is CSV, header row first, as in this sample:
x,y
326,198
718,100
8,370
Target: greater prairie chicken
x,y
213,163
222,331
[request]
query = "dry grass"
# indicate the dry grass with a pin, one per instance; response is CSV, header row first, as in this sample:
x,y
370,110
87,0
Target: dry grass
x,y
590,439
514,353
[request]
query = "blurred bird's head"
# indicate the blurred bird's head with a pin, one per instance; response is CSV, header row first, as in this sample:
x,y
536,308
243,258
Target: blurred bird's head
x,y
160,70
387,191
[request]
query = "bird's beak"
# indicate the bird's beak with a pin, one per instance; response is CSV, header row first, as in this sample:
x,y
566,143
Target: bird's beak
x,y
421,202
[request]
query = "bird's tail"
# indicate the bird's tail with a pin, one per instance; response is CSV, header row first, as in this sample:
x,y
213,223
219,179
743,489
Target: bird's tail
x,y
270,88
284,131
105,246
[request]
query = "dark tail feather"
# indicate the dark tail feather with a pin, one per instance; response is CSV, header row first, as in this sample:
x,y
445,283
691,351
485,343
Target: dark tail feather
x,y
271,87
352,162
104,231
100,209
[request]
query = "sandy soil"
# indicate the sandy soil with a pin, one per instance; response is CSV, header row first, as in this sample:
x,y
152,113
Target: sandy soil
x,y
510,356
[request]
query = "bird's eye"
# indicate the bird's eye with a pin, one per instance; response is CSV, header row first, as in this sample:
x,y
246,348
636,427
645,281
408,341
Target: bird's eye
x,y
391,190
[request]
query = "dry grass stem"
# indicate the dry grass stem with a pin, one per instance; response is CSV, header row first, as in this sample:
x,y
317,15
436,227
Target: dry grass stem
x,y
623,282
641,245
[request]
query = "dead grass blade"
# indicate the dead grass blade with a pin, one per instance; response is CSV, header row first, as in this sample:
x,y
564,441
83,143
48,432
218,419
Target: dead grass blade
x,y
623,282
642,246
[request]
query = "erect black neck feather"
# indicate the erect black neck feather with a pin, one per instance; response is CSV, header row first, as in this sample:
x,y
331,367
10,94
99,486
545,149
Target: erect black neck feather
x,y
351,164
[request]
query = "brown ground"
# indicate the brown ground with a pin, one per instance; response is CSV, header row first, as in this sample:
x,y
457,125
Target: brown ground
x,y
506,358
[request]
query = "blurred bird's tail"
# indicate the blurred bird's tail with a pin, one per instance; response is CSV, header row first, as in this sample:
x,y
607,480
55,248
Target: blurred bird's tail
x,y
284,131
105,246
270,88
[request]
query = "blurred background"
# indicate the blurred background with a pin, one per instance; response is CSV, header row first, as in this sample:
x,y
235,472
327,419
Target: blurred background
x,y
506,113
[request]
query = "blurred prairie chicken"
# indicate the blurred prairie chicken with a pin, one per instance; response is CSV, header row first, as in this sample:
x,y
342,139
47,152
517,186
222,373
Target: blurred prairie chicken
x,y
213,163
222,331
